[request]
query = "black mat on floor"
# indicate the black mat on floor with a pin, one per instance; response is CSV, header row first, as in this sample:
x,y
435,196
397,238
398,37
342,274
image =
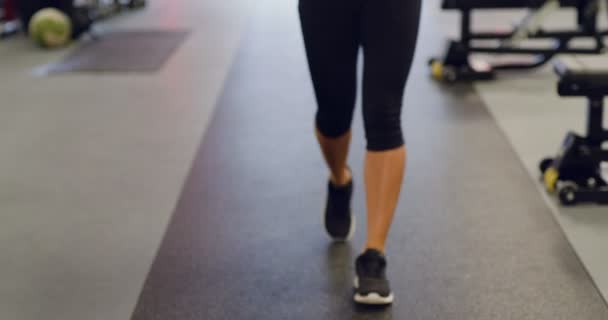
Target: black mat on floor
x,y
472,237
124,51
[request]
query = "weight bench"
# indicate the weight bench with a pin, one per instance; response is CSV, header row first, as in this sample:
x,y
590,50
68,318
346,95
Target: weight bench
x,y
456,64
501,4
576,173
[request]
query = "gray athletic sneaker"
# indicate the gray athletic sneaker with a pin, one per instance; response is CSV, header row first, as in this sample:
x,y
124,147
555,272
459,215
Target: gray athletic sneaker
x,y
371,285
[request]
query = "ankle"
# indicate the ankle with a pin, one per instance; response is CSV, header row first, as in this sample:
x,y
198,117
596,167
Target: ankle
x,y
343,179
376,247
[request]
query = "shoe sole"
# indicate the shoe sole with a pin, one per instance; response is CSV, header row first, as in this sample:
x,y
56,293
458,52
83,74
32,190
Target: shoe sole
x,y
371,298
351,229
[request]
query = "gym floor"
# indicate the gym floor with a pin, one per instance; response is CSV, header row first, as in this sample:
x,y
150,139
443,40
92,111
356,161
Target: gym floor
x,y
196,192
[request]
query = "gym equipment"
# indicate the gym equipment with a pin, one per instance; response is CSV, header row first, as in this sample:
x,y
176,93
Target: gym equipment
x,y
576,173
9,24
79,14
50,28
102,9
457,63
83,13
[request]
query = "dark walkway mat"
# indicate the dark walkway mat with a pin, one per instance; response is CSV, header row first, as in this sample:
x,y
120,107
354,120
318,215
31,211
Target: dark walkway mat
x,y
124,51
472,240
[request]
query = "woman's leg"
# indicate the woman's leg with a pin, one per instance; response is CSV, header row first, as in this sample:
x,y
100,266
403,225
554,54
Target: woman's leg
x,y
384,173
335,153
389,33
331,37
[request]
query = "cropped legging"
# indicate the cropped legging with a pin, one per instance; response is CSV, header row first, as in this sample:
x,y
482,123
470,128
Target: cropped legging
x,y
386,30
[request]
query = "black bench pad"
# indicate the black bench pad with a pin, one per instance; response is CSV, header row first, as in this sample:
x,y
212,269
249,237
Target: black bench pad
x,y
498,4
582,75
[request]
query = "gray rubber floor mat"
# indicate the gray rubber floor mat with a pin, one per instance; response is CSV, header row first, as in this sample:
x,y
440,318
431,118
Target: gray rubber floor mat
x,y
124,51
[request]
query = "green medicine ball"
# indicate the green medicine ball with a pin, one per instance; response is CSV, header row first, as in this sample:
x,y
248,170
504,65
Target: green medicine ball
x,y
50,28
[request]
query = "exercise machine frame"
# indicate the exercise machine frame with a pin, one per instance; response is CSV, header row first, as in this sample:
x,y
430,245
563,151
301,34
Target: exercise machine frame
x,y
457,63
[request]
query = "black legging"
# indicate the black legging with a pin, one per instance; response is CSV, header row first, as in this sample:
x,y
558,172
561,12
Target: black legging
x,y
333,32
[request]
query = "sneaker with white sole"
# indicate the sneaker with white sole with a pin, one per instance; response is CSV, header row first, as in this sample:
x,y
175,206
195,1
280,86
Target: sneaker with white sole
x,y
371,285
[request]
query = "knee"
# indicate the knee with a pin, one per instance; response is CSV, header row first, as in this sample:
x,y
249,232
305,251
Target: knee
x,y
332,124
383,128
